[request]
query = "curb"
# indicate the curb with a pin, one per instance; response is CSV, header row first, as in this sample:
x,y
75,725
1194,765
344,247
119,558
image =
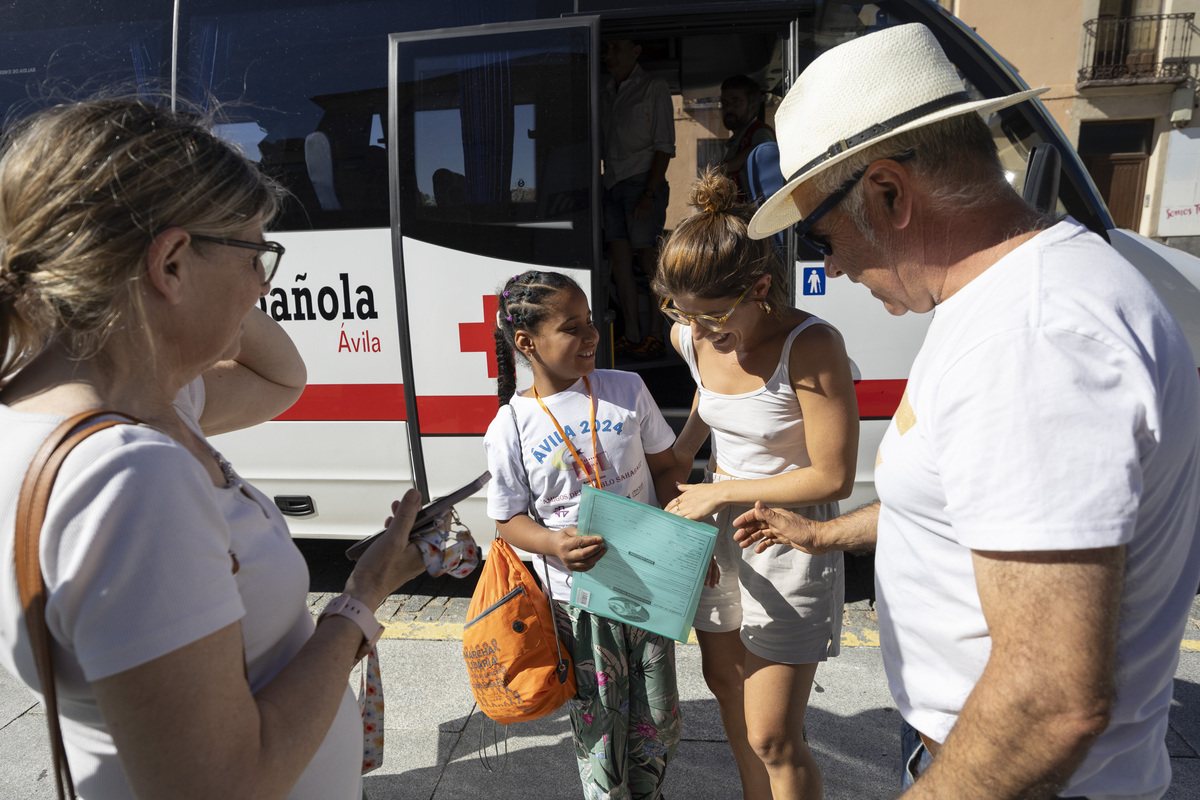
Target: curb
x,y
447,631
437,611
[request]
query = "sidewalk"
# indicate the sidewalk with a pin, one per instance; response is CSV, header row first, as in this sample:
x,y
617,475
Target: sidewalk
x,y
434,732
852,725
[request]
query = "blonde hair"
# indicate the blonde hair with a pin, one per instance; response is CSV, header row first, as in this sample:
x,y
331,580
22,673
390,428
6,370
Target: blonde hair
x,y
84,189
710,254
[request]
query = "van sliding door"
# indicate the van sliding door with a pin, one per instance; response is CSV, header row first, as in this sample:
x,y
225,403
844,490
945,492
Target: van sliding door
x,y
492,172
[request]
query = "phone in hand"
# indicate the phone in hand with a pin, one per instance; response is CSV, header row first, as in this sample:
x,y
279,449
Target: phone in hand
x,y
427,517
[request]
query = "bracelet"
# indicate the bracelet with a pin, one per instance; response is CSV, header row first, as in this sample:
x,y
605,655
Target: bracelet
x,y
346,606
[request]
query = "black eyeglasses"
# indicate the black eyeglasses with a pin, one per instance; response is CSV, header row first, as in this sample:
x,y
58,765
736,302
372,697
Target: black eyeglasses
x,y
267,260
819,243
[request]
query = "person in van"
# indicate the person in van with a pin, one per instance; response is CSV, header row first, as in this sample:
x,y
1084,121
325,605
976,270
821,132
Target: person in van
x,y
1036,547
638,135
742,113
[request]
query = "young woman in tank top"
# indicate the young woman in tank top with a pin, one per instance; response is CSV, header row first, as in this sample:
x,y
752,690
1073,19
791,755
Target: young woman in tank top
x,y
774,389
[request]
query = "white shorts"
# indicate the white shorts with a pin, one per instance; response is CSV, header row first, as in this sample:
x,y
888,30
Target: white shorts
x,y
787,604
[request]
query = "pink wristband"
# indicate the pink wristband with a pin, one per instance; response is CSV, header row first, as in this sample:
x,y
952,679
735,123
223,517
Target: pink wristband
x,y
346,606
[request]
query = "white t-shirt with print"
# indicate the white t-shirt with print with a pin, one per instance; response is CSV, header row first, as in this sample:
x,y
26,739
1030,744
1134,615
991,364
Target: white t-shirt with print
x,y
629,425
1054,405
137,549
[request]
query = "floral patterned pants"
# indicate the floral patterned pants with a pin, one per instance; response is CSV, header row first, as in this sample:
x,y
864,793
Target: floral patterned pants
x,y
625,717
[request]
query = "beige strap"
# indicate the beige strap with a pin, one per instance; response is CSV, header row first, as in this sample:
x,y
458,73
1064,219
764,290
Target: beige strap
x,y
31,512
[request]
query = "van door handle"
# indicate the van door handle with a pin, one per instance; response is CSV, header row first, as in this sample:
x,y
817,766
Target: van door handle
x,y
295,505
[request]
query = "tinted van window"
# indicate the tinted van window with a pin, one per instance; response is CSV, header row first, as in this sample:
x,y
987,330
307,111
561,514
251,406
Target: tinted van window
x,y
303,89
126,49
494,143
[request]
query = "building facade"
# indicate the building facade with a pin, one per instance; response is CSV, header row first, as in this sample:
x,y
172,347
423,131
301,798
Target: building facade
x,y
1122,77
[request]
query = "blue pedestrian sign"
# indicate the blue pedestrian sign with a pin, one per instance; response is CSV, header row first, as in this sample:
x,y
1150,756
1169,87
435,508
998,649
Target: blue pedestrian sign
x,y
814,280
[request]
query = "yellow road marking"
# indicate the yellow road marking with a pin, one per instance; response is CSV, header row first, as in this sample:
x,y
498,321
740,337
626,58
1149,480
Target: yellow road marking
x,y
441,631
868,638
438,631
445,631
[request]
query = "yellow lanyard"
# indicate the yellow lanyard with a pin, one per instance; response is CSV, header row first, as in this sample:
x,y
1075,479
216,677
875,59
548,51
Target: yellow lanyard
x,y
593,479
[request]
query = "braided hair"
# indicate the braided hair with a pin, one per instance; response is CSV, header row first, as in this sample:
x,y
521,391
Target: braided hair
x,y
525,303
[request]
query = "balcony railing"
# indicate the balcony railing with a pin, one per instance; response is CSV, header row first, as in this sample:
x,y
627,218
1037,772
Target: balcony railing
x,y
1120,51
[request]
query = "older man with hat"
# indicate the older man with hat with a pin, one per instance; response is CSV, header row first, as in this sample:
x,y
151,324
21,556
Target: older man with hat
x,y
1036,534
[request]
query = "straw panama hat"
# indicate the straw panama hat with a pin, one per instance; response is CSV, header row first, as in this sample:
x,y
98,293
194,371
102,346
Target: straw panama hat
x,y
857,94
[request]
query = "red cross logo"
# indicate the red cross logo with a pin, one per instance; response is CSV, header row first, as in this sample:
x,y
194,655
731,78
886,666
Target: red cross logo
x,y
476,337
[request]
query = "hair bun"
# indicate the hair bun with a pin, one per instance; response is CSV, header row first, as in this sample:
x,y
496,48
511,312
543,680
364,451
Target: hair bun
x,y
714,192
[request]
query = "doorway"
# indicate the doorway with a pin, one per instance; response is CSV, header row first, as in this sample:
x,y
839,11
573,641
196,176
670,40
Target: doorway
x,y
1116,155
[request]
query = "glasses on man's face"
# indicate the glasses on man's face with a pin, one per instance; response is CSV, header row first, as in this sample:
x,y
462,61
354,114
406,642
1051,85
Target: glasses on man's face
x,y
714,324
267,260
804,228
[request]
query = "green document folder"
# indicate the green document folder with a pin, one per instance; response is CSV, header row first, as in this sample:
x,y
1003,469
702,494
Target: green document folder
x,y
653,570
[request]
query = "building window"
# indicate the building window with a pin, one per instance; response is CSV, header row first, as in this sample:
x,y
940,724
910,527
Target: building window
x,y
1116,155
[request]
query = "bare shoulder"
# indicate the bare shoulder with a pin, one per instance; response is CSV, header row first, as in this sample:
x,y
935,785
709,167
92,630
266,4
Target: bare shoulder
x,y
818,352
677,331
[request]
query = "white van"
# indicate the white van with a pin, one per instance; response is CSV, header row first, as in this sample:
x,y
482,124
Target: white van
x,y
435,149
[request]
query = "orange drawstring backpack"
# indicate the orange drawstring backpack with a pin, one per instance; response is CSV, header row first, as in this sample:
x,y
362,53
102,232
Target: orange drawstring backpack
x,y
519,670
518,667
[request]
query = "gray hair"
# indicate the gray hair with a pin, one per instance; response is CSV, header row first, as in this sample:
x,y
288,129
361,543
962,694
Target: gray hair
x,y
957,155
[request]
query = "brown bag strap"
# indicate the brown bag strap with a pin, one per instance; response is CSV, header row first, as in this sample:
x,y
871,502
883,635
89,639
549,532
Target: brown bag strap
x,y
31,512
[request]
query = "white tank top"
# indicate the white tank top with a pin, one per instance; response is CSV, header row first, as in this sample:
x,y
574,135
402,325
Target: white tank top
x,y
757,434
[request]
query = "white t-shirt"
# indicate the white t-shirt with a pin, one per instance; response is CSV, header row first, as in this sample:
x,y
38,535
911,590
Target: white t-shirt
x,y
629,426
637,119
1053,406
137,550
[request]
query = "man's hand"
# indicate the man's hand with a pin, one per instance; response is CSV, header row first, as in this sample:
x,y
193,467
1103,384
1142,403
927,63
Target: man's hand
x,y
761,527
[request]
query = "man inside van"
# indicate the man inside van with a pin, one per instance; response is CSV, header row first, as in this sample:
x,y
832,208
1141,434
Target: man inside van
x,y
638,123
742,114
1036,533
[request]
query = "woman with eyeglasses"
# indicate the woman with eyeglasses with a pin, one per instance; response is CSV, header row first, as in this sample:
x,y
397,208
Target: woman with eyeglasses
x,y
187,663
775,391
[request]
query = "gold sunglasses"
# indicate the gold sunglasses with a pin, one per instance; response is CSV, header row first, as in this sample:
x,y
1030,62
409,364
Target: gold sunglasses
x,y
714,324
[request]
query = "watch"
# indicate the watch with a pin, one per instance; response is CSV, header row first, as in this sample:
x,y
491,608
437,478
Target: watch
x,y
346,606
648,194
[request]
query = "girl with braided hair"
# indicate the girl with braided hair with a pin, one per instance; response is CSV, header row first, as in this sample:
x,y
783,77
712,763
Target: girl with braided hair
x,y
577,424
775,391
